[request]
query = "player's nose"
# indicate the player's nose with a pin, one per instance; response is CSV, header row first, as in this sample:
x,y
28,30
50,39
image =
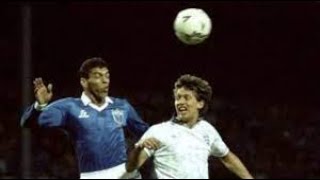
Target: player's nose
x,y
106,80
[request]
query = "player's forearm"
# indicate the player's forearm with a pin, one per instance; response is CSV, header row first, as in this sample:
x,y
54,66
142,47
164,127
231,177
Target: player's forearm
x,y
136,159
132,163
234,164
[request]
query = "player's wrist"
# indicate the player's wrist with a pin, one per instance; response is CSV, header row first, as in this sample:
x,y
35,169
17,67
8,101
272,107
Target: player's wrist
x,y
39,106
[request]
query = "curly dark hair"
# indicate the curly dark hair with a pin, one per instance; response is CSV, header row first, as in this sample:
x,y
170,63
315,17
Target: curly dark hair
x,y
89,64
200,86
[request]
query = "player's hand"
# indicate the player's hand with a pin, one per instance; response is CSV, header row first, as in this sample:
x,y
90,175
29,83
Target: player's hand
x,y
43,93
150,143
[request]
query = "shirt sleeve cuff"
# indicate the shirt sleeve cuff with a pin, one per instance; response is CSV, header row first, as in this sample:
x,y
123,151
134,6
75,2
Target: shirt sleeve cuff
x,y
225,152
149,152
39,107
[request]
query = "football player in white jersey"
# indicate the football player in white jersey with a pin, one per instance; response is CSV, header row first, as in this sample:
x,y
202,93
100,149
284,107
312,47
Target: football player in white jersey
x,y
181,146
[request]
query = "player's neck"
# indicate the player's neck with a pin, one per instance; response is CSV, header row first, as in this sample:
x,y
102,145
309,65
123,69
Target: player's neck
x,y
192,122
96,100
99,103
189,123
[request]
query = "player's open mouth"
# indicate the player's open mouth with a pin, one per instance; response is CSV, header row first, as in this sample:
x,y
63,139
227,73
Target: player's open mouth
x,y
105,90
182,109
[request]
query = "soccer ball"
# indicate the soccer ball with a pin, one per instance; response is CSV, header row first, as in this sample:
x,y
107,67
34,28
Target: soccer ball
x,y
192,26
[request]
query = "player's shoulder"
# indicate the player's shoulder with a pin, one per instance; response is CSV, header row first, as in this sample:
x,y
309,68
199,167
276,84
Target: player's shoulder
x,y
160,130
162,126
209,129
206,126
205,123
118,101
121,103
65,102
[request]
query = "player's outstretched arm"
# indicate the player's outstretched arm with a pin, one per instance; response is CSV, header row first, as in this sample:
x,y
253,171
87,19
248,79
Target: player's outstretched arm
x,y
234,164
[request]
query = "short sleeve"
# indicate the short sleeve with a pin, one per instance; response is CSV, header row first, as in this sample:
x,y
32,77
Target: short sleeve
x,y
218,147
135,123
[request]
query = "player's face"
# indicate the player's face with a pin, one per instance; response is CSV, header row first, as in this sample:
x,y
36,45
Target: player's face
x,y
98,82
187,105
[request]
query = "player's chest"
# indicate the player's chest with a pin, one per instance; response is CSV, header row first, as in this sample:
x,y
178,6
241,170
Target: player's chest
x,y
91,119
185,144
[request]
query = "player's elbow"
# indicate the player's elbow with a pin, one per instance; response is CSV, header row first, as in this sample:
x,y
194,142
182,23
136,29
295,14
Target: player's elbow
x,y
228,159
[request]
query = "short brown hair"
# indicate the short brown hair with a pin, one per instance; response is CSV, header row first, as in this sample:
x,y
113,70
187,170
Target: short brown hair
x,y
200,86
89,64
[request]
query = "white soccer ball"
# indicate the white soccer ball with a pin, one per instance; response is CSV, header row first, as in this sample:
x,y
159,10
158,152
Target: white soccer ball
x,y
192,26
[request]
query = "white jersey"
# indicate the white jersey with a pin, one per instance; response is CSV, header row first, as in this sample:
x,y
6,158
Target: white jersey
x,y
184,152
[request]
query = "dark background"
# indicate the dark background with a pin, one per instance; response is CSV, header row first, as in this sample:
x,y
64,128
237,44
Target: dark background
x,y
261,59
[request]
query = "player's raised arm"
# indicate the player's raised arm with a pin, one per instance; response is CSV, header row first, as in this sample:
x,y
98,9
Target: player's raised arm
x,y
43,93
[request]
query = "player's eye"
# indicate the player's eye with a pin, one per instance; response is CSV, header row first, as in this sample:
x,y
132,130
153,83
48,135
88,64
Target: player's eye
x,y
187,97
177,97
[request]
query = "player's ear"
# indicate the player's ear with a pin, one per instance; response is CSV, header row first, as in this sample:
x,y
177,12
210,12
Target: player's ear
x,y
84,83
200,104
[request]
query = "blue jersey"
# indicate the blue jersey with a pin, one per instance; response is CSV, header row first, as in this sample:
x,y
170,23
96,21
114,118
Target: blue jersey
x,y
98,135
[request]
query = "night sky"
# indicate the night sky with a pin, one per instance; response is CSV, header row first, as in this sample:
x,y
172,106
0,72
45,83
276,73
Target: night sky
x,y
255,49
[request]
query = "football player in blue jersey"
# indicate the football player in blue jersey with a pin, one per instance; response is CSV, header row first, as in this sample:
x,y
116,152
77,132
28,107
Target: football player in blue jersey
x,y
95,121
